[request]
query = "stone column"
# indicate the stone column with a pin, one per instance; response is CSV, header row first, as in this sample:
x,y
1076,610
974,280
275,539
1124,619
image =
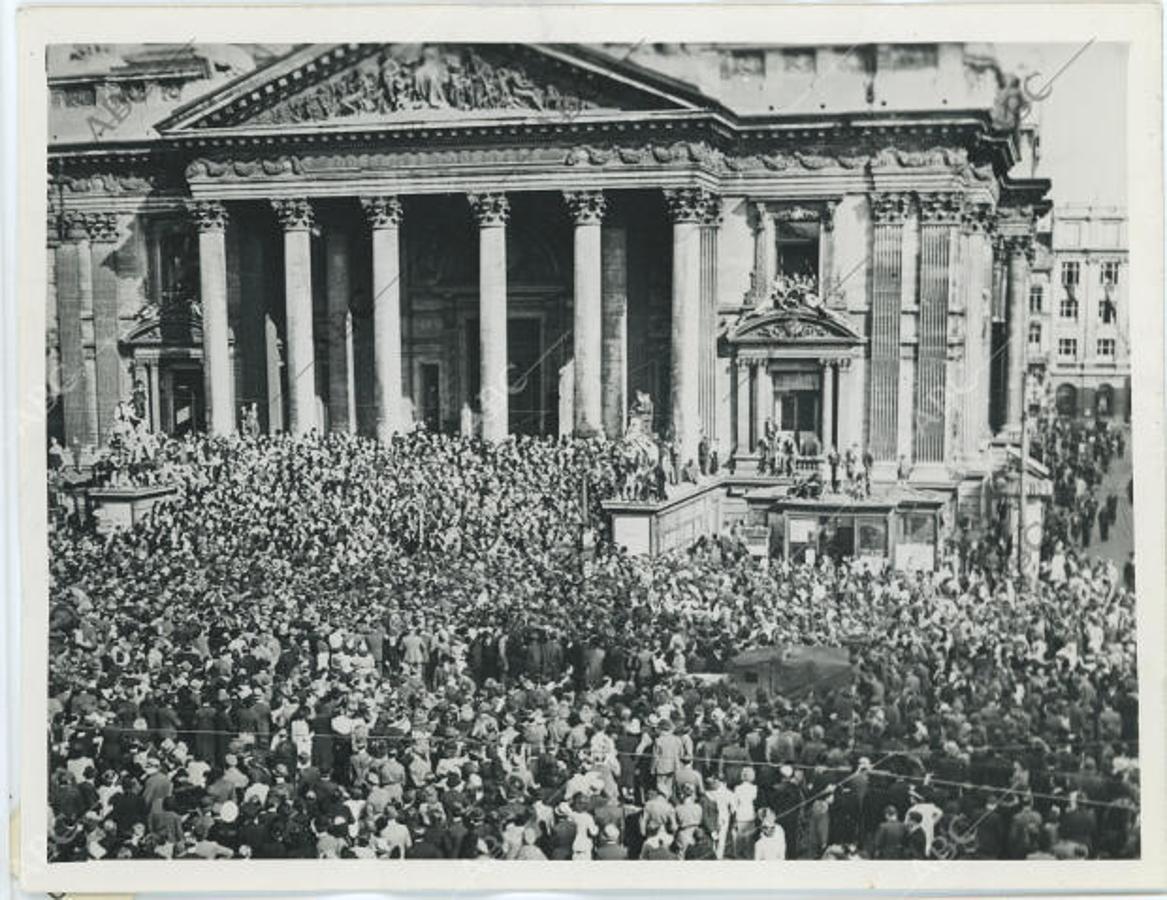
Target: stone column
x,y
614,301
74,291
384,216
828,403
210,217
765,248
492,212
708,321
338,288
975,383
939,215
687,208
587,210
296,218
107,355
888,213
741,407
764,394
52,314
1018,248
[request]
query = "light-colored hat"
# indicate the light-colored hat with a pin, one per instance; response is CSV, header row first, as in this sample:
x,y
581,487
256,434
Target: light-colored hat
x,y
229,812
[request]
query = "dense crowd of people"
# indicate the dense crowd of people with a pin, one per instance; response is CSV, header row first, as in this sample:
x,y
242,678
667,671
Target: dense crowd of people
x,y
328,647
1078,456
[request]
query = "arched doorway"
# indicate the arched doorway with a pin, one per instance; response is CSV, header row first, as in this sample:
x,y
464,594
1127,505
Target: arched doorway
x,y
1066,400
1104,401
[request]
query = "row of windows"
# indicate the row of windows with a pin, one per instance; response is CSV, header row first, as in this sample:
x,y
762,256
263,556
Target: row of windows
x,y
1107,272
1107,310
1068,347
1068,306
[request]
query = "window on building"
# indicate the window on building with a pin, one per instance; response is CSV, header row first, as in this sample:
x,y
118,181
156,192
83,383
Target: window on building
x,y
909,56
1106,347
1036,296
798,248
799,59
1068,348
1071,272
1108,274
743,64
177,262
1035,334
1107,311
1068,308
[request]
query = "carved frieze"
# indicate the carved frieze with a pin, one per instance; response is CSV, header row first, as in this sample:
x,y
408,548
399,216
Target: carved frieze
x,y
402,78
107,183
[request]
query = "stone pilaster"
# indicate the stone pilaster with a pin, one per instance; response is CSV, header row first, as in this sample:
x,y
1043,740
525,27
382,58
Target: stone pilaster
x,y
587,211
1018,249
384,215
888,213
939,216
710,222
210,218
103,231
614,301
75,294
337,259
976,383
492,211
297,219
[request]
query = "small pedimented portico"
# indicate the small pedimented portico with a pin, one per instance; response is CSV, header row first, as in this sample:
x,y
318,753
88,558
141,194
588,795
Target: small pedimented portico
x,y
787,357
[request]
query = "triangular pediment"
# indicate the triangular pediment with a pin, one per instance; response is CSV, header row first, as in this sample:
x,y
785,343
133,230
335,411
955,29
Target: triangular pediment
x,y
792,325
374,84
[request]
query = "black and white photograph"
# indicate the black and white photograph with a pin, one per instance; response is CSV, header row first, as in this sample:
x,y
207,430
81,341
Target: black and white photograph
x,y
599,451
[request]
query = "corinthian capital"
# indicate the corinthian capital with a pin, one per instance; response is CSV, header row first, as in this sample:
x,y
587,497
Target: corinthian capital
x,y
978,218
103,227
1017,245
586,207
889,208
294,213
490,210
941,208
382,211
208,215
688,204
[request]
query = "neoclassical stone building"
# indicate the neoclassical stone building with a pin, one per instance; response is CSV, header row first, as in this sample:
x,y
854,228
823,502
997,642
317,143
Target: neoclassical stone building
x,y
522,238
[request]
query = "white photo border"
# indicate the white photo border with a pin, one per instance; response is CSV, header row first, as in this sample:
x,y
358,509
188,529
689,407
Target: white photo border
x,y
1139,25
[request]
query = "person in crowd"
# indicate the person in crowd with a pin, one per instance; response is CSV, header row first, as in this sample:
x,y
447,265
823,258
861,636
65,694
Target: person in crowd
x,y
330,646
